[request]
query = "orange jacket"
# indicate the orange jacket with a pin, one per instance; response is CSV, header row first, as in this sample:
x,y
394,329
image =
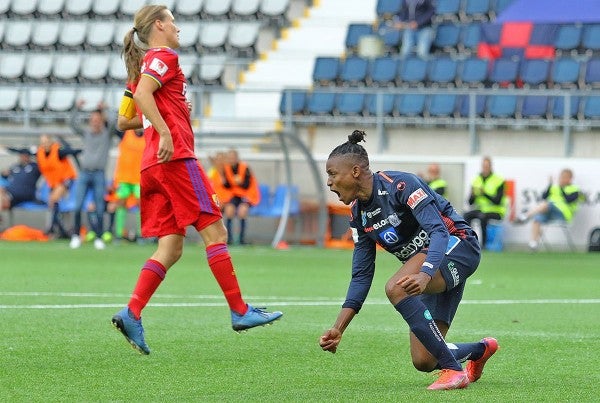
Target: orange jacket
x,y
252,194
129,163
55,170
216,179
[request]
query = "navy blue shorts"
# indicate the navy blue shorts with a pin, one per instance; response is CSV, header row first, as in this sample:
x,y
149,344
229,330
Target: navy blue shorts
x,y
461,260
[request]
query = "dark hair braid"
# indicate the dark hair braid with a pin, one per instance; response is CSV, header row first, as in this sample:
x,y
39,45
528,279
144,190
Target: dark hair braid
x,y
352,147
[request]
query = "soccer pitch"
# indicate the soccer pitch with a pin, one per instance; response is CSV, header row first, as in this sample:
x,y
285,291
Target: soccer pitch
x,y
57,344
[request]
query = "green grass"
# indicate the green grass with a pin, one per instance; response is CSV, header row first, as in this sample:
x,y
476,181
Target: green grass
x,y
56,343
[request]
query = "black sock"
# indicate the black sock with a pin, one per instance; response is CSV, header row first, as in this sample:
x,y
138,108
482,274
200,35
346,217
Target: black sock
x,y
243,230
228,225
419,320
466,351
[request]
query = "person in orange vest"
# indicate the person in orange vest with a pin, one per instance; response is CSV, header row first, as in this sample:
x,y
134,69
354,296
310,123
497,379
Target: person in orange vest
x,y
59,173
216,174
243,186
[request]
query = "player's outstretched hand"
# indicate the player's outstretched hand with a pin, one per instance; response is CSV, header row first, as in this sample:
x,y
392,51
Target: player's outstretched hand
x,y
330,340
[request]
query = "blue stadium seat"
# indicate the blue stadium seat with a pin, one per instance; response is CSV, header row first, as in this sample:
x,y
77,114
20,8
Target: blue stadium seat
x,y
463,107
473,72
297,104
447,37
279,196
447,10
592,74
565,72
591,107
326,70
321,103
470,35
442,71
392,38
355,31
475,10
501,106
442,105
568,38
412,71
264,205
558,107
353,71
535,72
348,103
387,106
504,72
387,8
410,105
500,5
590,40
382,71
534,106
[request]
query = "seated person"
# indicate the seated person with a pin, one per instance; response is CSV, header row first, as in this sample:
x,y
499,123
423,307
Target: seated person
x,y
20,180
560,202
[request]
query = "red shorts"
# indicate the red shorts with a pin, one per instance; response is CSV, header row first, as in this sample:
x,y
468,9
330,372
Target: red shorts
x,y
174,195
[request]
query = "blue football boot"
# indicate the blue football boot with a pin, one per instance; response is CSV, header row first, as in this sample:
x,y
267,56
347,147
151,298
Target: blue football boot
x,y
252,318
132,329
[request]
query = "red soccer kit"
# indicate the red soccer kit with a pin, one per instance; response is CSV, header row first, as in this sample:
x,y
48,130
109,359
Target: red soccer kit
x,y
177,193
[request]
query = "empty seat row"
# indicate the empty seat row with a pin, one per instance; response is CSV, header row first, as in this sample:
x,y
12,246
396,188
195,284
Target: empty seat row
x,y
97,68
446,71
46,34
449,105
451,10
57,99
121,9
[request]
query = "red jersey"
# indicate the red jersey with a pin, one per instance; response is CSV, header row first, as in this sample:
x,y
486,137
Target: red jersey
x,y
162,65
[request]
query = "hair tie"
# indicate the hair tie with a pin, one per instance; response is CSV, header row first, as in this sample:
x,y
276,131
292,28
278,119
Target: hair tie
x,y
134,29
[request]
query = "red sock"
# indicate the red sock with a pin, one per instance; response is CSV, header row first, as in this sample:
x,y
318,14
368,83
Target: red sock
x,y
151,276
222,268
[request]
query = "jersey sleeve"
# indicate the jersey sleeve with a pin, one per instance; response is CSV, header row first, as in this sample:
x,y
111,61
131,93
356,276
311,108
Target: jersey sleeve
x,y
161,65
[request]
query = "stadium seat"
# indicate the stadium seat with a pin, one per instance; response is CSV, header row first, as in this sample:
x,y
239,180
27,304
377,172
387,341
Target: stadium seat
x,y
106,8
409,105
565,72
504,72
245,9
292,101
12,66
442,71
61,99
447,37
243,37
264,205
475,10
470,35
348,103
388,8
464,105
9,99
72,34
100,35
216,9
4,7
38,67
412,71
279,197
325,71
65,67
500,5
353,71
592,74
392,39
387,104
320,103
213,36
188,35
501,106
22,9
354,33
534,106
274,11
211,69
447,10
187,9
383,70
128,8
121,29
94,67
535,72
45,35
442,105
591,107
33,99
116,69
188,64
50,8
558,107
79,8
17,34
590,40
568,38
92,97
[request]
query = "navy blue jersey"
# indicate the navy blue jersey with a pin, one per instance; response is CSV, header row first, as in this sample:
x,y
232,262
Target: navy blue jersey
x,y
405,217
22,180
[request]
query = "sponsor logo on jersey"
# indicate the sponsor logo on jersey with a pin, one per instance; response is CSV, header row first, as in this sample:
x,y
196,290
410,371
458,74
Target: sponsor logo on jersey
x,y
158,66
377,225
389,236
394,220
382,192
364,218
454,272
354,234
373,213
414,245
401,186
416,197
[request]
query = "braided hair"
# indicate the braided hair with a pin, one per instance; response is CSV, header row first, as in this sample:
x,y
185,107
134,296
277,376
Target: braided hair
x,y
352,148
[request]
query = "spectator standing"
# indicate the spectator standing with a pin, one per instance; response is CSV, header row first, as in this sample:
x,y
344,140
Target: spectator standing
x,y
415,19
21,180
435,180
487,198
